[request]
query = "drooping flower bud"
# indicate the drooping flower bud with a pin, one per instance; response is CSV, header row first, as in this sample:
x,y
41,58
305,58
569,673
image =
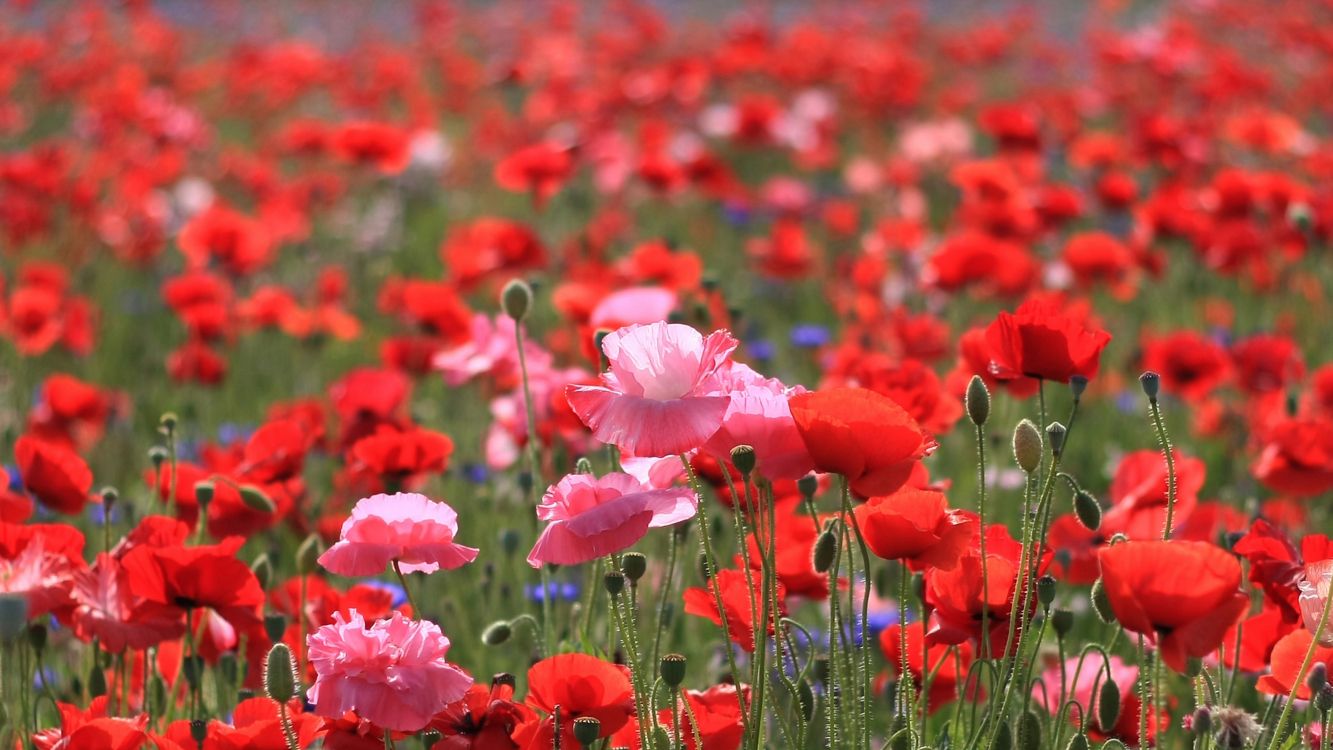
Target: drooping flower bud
x,y
497,633
826,546
307,555
1108,705
1101,602
1087,510
256,499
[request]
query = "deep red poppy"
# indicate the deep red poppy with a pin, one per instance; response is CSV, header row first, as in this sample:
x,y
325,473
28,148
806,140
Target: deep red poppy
x,y
948,664
736,597
916,527
198,577
1041,340
1285,664
861,435
1184,595
580,685
484,719
53,474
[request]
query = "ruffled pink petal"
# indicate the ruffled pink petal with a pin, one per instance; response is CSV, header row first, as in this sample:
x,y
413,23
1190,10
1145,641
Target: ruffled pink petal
x,y
432,557
560,545
358,558
644,427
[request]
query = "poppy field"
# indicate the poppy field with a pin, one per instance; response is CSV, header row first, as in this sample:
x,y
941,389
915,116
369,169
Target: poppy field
x,y
648,375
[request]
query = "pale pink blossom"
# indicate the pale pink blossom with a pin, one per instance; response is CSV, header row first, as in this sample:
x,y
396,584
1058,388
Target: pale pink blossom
x,y
406,527
662,394
492,351
105,609
758,416
392,674
641,304
1314,595
44,578
590,517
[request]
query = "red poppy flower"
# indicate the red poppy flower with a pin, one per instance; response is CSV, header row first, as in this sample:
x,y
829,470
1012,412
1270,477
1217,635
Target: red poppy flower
x,y
188,578
1191,364
948,670
1184,595
539,170
395,455
275,452
490,248
916,527
1267,363
1100,258
196,362
1297,458
1277,566
219,233
92,729
736,596
796,532
1139,493
861,435
1041,340
385,146
53,474
580,685
1285,664
484,719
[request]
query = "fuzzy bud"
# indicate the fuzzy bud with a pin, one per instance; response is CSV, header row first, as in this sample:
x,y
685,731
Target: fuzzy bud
x,y
497,633
263,570
1078,742
280,673
516,299
275,624
1323,700
1101,602
1318,677
199,731
977,399
583,466
1027,446
307,555
826,547
1029,731
255,499
1108,705
1087,510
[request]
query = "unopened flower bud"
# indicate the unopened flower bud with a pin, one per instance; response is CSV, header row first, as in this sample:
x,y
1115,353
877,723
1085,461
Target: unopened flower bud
x,y
509,540
672,670
977,399
1101,602
587,730
1087,510
1318,677
1152,384
263,570
826,547
255,499
1078,742
516,299
1055,432
203,493
742,457
280,673
634,565
307,555
1062,621
1108,705
37,634
1029,731
1027,446
497,633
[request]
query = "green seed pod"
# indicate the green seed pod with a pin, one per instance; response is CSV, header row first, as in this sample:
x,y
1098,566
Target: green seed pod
x,y
158,455
516,299
280,673
1101,602
255,499
203,493
1108,705
672,670
743,458
198,731
1004,738
1087,510
1027,446
634,565
587,730
1152,385
978,401
307,555
275,624
1046,590
826,546
1078,742
660,739
1062,621
807,485
1055,433
614,582
497,633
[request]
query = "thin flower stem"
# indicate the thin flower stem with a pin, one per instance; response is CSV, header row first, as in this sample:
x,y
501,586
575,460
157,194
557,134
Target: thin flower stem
x,y
981,523
407,591
1144,696
711,561
665,595
530,456
1155,410
1300,673
863,681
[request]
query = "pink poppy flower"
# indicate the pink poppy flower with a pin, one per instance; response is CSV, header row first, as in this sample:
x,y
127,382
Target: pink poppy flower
x,y
44,578
591,517
392,674
410,528
759,416
1314,593
662,395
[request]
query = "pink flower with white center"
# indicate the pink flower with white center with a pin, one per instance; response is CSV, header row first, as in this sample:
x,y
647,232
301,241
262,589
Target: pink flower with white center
x,y
591,517
662,394
1314,597
392,674
44,578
